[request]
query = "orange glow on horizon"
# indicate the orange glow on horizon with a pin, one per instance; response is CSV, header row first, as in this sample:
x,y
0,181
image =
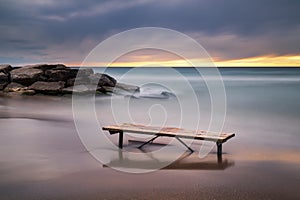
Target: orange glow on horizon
x,y
259,61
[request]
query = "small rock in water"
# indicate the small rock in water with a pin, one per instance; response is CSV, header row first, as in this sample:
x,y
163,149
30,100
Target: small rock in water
x,y
153,91
121,89
126,87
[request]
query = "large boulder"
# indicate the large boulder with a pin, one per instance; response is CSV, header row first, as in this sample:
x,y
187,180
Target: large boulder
x,y
5,69
102,80
47,87
57,75
4,80
81,76
73,73
79,81
86,72
27,75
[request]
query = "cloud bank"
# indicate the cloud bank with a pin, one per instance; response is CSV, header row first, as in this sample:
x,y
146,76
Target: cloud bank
x,y
66,30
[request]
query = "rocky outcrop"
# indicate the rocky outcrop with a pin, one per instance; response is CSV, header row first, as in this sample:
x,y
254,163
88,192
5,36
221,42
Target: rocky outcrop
x,y
57,79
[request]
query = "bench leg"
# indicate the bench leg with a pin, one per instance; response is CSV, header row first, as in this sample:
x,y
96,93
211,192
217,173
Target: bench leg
x,y
184,144
121,139
219,150
151,140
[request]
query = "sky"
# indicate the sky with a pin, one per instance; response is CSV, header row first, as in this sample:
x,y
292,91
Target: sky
x,y
234,32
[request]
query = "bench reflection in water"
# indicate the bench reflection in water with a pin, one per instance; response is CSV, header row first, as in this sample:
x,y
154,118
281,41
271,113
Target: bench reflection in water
x,y
188,161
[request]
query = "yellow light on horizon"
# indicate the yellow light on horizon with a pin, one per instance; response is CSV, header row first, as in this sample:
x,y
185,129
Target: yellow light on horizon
x,y
259,61
262,61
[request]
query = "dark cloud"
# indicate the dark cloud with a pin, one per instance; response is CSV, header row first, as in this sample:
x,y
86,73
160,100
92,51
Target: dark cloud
x,y
50,28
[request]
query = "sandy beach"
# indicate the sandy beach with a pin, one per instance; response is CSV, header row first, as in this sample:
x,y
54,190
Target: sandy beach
x,y
42,157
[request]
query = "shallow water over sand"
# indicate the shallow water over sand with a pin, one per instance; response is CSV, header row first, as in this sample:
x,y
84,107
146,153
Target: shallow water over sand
x,y
41,155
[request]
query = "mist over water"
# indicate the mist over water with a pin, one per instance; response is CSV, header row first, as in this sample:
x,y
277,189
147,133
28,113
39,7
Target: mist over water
x,y
263,99
39,142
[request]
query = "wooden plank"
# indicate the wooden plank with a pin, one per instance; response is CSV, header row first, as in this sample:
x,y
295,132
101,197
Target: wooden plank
x,y
171,132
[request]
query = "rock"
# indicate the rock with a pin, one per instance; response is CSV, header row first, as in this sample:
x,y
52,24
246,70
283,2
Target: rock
x,y
106,89
152,90
79,81
55,72
57,75
121,89
2,86
46,66
79,89
27,76
85,72
73,73
59,67
53,78
47,87
27,92
14,87
127,87
102,80
18,89
5,69
4,80
70,82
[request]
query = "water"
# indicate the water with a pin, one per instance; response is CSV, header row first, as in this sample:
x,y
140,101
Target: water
x,y
42,156
264,98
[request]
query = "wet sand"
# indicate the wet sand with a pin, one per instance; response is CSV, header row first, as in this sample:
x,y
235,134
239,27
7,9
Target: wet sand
x,y
42,157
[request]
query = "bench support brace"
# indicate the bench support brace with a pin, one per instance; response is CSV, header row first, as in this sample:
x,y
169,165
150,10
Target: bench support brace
x,y
151,140
184,144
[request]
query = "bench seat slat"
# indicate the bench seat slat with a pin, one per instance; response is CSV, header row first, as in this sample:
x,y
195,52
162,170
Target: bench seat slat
x,y
170,132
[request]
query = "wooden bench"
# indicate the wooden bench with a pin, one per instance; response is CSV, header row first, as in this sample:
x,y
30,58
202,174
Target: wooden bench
x,y
178,133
